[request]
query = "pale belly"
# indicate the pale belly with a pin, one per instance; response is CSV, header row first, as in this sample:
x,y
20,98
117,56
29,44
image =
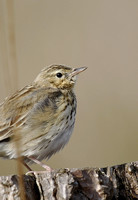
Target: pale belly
x,y
57,137
56,144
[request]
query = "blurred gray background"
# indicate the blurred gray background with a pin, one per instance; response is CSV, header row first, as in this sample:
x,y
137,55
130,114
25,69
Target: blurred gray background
x,y
102,35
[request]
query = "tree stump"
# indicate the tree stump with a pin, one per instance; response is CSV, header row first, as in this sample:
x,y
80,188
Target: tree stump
x,y
117,182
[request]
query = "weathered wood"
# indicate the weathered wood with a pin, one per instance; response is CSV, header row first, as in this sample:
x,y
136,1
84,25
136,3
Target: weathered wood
x,y
117,182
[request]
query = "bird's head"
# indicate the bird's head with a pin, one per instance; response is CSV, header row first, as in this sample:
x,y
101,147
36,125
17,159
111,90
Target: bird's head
x,y
58,76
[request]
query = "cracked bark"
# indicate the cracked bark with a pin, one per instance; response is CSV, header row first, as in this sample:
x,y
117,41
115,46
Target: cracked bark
x,y
117,182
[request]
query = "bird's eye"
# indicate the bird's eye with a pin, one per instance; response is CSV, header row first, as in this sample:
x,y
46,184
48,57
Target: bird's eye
x,y
59,75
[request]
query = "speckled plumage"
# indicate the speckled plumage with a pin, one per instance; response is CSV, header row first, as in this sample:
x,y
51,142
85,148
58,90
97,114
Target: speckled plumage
x,y
42,114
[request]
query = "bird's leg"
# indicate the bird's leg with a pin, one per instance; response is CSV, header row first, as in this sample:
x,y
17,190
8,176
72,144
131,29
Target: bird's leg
x,y
47,168
27,166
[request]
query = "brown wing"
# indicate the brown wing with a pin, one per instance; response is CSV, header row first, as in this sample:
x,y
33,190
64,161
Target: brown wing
x,y
31,104
14,109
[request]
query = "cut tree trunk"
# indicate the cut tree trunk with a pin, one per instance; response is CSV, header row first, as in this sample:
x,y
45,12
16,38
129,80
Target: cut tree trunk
x,y
117,182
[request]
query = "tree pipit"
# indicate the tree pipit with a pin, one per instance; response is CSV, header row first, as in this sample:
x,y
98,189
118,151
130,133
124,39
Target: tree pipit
x,y
40,116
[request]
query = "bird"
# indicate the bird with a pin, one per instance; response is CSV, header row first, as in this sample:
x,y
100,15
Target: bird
x,y
39,117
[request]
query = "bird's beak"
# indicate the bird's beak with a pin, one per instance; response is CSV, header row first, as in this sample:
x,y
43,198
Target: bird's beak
x,y
77,71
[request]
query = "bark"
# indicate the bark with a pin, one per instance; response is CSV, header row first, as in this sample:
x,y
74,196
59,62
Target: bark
x,y
117,182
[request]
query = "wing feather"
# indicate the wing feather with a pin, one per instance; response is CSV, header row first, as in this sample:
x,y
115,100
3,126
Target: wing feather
x,y
25,105
14,109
